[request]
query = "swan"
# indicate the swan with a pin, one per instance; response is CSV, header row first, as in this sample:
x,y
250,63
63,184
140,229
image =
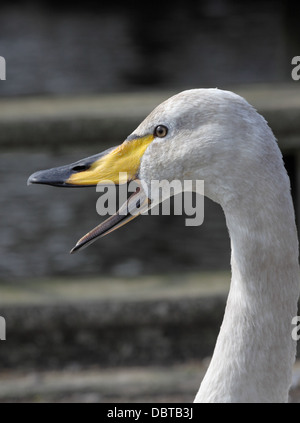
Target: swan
x,y
218,137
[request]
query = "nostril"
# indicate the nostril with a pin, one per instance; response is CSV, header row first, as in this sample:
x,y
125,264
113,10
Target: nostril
x,y
80,168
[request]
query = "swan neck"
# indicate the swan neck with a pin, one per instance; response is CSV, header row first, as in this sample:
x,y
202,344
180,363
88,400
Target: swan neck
x,y
255,352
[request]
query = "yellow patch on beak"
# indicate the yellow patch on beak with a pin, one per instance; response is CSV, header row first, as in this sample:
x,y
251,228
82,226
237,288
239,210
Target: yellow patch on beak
x,y
124,159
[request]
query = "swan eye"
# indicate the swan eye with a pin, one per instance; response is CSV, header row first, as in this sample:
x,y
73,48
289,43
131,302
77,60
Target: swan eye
x,y
160,131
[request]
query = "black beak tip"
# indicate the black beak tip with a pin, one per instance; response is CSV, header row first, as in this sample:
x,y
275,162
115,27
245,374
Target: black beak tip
x,y
33,179
49,177
74,249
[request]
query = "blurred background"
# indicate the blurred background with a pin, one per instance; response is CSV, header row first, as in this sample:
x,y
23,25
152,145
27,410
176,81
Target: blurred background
x,y
135,316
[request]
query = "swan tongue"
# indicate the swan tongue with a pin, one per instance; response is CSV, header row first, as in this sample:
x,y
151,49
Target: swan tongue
x,y
136,204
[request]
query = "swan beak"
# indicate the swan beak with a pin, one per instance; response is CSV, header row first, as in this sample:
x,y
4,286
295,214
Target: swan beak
x,y
117,165
137,204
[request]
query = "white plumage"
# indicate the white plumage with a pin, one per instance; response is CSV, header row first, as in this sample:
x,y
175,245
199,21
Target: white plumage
x,y
217,136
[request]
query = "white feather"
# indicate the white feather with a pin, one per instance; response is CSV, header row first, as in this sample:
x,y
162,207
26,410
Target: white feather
x,y
216,136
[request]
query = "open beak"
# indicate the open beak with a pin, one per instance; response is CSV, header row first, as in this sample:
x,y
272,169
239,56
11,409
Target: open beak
x,y
117,165
137,204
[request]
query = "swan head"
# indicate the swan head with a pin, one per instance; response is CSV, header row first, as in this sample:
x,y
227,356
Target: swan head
x,y
200,134
212,135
